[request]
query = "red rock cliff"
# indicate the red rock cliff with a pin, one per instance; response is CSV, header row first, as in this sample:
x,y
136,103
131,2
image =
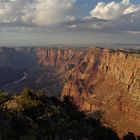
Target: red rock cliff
x,y
103,80
108,81
58,57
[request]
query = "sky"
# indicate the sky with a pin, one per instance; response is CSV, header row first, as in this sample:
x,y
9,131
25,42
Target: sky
x,y
42,22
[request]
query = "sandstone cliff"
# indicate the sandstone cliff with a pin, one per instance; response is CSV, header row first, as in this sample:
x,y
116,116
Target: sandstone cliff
x,y
108,81
101,80
59,57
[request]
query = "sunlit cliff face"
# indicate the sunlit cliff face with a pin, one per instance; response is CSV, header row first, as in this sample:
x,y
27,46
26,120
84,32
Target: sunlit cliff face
x,y
108,81
102,80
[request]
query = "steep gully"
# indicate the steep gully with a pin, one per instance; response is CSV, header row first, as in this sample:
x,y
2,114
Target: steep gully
x,y
101,80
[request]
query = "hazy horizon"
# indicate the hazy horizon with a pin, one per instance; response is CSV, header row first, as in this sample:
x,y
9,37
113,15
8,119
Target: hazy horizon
x,y
103,45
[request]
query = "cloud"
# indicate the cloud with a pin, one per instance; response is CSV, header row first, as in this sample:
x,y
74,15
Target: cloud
x,y
112,17
36,12
84,24
16,11
55,11
109,17
114,10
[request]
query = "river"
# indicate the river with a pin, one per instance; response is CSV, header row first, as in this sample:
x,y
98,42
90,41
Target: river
x,y
15,82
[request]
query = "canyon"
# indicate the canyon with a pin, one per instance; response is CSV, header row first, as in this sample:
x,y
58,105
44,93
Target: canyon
x,y
104,83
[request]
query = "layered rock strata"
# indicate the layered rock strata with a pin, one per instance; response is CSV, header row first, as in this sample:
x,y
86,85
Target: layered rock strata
x,y
105,82
108,81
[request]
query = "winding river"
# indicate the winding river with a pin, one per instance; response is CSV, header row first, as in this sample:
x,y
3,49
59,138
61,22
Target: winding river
x,y
17,81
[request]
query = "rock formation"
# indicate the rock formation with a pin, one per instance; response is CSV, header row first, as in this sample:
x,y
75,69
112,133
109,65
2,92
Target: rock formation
x,y
59,57
101,80
108,81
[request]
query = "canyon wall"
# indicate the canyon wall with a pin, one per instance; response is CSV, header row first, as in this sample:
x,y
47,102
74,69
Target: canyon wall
x,y
103,82
17,58
108,81
57,57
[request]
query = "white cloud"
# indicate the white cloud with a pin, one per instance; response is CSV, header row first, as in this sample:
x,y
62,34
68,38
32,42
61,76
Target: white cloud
x,y
113,17
52,11
39,12
113,10
125,1
72,26
133,32
131,9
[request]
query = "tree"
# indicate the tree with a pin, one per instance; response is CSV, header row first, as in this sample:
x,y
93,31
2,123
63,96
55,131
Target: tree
x,y
131,136
71,109
27,92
